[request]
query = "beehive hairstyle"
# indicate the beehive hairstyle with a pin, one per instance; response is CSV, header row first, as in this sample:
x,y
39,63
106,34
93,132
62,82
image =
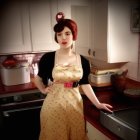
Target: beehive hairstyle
x,y
62,22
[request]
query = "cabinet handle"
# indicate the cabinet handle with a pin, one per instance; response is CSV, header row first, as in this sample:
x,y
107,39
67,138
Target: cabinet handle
x,y
89,51
93,53
7,113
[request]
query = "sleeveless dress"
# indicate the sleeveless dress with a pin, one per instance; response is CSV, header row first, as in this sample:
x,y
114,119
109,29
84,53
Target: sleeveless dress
x,y
62,115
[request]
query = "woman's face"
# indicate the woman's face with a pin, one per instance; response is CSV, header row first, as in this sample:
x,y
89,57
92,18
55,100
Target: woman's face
x,y
65,38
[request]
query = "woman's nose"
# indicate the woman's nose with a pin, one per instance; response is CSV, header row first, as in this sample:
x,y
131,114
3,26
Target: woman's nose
x,y
63,36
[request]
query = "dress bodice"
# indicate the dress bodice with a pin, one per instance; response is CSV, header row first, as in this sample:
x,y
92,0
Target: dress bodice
x,y
67,73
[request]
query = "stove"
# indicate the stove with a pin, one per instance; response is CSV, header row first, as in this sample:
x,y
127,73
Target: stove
x,y
20,115
22,99
124,123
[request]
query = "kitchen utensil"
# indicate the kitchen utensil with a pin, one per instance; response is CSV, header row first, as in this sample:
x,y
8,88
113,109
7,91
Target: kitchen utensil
x,y
119,82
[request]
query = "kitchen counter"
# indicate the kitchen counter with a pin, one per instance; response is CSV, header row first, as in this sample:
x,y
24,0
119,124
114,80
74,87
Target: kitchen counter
x,y
106,95
118,101
92,114
17,89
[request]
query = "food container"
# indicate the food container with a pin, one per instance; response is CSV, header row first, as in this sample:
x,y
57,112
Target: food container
x,y
100,80
15,75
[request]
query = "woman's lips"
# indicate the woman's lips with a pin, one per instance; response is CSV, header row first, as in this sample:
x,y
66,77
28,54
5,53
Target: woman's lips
x,y
64,43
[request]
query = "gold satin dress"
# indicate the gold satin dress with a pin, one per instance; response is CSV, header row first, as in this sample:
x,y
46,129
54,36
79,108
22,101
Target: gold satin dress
x,y
62,115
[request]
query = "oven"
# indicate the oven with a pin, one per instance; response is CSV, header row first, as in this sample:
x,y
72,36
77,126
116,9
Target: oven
x,y
20,116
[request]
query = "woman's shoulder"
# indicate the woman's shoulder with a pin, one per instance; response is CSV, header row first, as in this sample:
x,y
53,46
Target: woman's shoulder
x,y
84,59
47,58
48,55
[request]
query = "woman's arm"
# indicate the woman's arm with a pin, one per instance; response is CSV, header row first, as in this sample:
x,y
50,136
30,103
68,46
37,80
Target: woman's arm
x,y
39,84
92,97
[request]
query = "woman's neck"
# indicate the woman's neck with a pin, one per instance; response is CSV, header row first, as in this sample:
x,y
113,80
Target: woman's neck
x,y
67,51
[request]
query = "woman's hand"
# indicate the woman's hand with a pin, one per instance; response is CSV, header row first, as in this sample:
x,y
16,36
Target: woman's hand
x,y
92,97
105,106
43,88
48,89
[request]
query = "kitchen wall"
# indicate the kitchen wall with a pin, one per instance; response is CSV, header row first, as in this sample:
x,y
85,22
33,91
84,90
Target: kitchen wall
x,y
130,38
133,65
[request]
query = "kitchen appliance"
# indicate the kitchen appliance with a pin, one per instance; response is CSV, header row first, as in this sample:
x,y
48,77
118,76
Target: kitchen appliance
x,y
22,124
15,75
20,115
124,123
101,78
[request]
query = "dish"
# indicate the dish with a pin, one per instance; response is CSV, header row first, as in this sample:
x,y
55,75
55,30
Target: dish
x,y
134,92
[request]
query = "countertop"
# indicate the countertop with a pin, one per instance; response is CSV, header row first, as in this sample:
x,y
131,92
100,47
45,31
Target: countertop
x,y
92,114
110,96
17,89
106,95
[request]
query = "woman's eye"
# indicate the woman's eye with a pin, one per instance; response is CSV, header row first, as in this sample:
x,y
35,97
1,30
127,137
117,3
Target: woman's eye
x,y
68,33
58,34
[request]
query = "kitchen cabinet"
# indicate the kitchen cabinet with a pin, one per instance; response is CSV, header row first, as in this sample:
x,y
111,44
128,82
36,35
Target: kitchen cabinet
x,y
42,20
14,27
27,26
113,41
81,13
41,30
94,134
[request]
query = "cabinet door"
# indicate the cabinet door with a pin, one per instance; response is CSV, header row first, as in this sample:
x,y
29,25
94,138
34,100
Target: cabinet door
x,y
82,15
94,134
100,30
41,25
14,27
112,36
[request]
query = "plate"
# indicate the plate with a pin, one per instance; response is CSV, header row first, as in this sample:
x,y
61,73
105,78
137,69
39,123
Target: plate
x,y
135,92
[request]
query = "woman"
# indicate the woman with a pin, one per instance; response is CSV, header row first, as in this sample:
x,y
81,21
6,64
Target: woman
x,y
62,115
